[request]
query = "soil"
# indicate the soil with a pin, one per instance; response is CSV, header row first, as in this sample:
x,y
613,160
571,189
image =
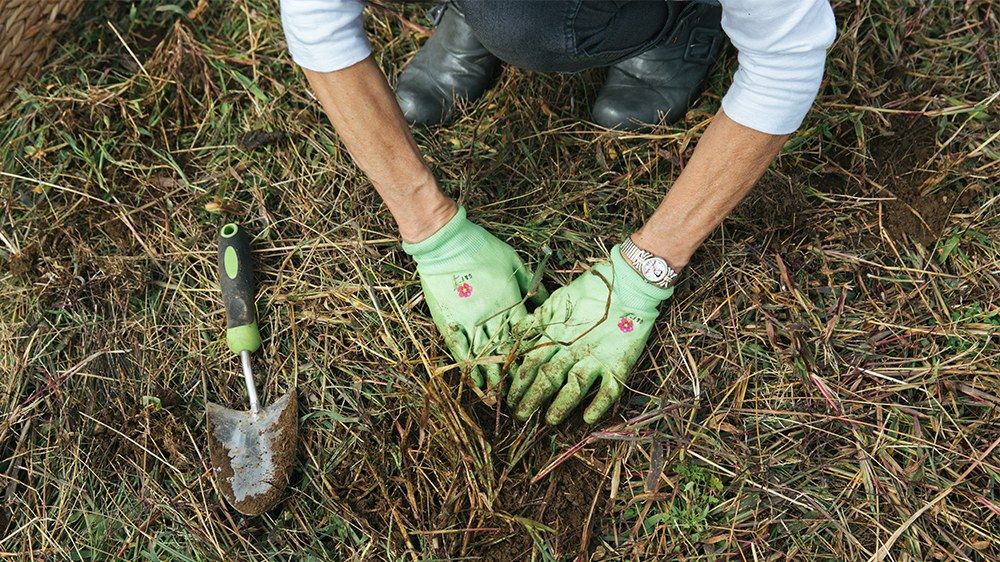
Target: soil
x,y
901,168
22,264
562,502
253,140
169,434
569,505
775,204
899,160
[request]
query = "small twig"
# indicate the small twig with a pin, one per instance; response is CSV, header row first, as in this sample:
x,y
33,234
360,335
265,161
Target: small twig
x,y
403,20
625,426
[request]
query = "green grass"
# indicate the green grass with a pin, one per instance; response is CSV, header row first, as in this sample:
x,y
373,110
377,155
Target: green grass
x,y
828,368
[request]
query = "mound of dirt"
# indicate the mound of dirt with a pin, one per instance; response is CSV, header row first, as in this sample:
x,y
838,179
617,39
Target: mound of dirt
x,y
903,162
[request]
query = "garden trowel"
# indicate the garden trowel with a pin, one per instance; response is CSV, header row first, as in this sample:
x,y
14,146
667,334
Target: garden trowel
x,y
252,452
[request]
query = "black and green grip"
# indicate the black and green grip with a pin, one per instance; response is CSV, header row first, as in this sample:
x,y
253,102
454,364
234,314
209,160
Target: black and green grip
x,y
236,279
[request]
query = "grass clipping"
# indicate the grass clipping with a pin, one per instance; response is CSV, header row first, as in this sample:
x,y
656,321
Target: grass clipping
x,y
824,385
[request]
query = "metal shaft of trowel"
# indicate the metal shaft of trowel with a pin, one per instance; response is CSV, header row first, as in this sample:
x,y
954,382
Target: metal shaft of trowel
x,y
248,378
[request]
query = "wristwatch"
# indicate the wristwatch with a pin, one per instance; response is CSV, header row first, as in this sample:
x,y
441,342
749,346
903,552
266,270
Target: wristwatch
x,y
652,268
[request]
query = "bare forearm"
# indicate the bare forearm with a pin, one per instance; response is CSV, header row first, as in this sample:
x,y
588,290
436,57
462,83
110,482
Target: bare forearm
x,y
364,112
727,162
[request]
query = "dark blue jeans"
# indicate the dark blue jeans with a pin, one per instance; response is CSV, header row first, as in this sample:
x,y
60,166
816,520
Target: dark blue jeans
x,y
569,35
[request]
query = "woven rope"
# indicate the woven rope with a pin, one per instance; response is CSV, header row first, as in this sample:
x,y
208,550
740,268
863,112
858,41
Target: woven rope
x,y
28,31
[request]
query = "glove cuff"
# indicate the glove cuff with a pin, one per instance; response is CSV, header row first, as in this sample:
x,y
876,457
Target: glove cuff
x,y
632,290
458,236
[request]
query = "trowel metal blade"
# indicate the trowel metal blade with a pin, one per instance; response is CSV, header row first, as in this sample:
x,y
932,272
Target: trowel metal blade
x,y
252,454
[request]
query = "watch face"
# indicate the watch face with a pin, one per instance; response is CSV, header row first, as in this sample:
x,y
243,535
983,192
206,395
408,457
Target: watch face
x,y
654,269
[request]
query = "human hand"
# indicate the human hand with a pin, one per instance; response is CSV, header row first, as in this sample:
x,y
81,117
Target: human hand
x,y
593,328
474,285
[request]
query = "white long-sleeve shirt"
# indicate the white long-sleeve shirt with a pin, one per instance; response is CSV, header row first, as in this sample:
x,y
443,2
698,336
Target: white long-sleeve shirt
x,y
782,51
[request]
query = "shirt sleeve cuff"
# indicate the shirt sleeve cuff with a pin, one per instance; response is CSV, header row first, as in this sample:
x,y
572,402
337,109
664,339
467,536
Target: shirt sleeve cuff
x,y
772,94
329,58
325,35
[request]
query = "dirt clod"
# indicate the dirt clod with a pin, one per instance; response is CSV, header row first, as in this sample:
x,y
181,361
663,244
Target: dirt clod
x,y
22,264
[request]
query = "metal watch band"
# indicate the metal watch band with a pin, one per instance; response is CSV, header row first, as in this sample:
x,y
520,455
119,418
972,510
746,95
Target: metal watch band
x,y
638,258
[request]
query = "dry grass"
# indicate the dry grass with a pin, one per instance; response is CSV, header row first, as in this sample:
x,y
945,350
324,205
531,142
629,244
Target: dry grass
x,y
824,386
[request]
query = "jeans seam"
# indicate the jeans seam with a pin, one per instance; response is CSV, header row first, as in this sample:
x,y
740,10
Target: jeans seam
x,y
569,32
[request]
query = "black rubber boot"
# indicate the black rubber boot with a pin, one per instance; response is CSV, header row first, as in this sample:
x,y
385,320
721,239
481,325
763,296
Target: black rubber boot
x,y
658,85
451,66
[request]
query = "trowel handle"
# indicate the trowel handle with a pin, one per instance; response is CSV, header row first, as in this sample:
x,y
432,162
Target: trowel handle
x,y
236,279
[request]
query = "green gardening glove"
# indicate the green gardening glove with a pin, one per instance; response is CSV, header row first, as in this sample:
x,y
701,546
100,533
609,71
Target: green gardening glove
x,y
473,284
595,328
